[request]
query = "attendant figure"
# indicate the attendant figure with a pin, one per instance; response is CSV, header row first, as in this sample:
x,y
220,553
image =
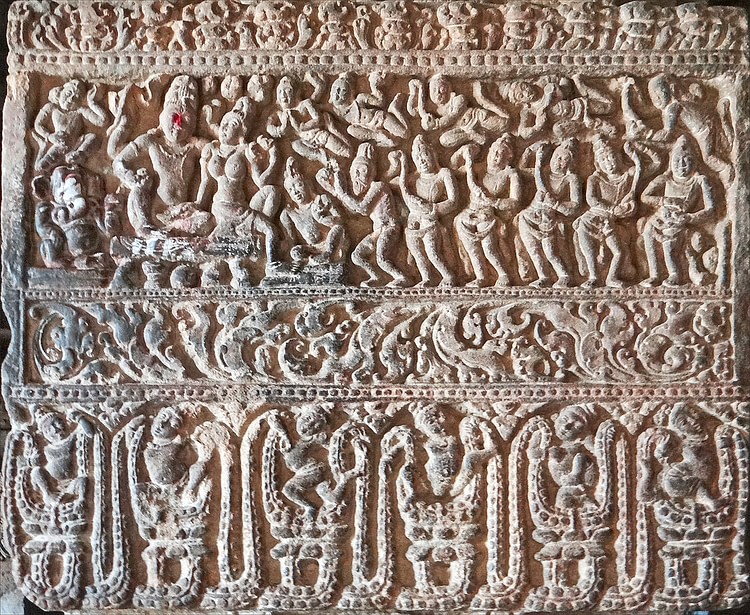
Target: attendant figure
x,y
60,125
365,196
683,199
610,194
542,226
429,197
482,226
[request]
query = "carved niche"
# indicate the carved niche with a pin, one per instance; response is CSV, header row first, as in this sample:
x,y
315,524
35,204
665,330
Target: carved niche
x,y
391,306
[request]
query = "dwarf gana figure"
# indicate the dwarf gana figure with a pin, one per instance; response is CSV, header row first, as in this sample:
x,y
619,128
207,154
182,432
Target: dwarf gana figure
x,y
312,222
60,126
611,196
689,483
683,199
439,503
570,486
304,502
170,485
50,497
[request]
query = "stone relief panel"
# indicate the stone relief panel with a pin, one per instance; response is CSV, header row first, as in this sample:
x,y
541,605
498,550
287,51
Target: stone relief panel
x,y
378,307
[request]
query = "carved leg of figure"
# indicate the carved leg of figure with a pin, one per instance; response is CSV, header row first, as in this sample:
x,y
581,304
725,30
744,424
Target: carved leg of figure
x,y
549,246
653,248
476,258
534,249
78,155
434,243
417,249
51,158
138,207
153,272
122,275
210,275
613,276
673,249
240,276
455,138
309,151
395,122
589,247
333,244
494,256
360,257
385,246
696,272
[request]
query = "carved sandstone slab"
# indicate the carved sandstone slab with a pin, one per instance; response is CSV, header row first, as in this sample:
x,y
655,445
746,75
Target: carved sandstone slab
x,y
377,306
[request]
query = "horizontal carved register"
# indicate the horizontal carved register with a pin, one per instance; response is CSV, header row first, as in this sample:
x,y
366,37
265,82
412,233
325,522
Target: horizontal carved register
x,y
377,306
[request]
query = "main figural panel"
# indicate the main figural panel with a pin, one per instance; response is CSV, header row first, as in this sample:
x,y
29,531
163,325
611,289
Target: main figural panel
x,y
279,180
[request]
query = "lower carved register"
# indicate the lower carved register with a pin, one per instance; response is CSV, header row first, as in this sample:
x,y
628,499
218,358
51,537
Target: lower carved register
x,y
383,505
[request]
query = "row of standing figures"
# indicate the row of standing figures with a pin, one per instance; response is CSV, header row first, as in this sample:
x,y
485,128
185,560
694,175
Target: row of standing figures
x,y
569,218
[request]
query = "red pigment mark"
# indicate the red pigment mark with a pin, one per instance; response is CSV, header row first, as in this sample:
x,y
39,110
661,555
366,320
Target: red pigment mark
x,y
177,120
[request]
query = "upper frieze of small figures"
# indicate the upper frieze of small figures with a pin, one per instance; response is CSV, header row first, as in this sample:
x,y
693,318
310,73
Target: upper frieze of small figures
x,y
155,26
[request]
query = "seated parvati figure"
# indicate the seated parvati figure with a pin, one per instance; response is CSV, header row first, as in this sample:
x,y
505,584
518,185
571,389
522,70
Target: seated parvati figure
x,y
71,224
171,487
611,196
313,133
453,115
370,117
684,199
60,126
430,195
543,226
362,194
160,167
311,223
482,227
227,164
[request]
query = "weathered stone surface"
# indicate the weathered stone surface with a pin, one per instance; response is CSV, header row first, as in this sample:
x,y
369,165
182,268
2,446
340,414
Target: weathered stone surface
x,y
377,306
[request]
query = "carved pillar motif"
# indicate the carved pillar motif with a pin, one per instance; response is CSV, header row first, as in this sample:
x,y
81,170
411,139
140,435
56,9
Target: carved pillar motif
x,y
391,306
